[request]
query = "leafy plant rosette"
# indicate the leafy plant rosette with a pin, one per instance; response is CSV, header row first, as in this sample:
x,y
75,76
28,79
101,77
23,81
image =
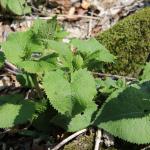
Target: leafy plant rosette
x,y
62,75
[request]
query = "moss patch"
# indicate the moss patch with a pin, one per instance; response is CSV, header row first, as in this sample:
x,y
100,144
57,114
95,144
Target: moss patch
x,y
129,40
83,142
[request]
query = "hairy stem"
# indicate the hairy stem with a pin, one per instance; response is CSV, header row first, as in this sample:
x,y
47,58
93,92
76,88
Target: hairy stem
x,y
37,87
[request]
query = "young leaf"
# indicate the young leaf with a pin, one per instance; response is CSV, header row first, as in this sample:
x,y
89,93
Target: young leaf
x,y
63,50
70,98
58,91
127,115
15,110
101,55
83,119
92,50
78,62
15,46
87,46
37,67
83,86
47,30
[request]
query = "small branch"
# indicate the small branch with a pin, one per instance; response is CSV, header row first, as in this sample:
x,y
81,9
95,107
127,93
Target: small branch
x,y
27,94
15,130
59,17
11,66
6,131
62,17
68,139
11,71
146,148
98,139
90,25
114,76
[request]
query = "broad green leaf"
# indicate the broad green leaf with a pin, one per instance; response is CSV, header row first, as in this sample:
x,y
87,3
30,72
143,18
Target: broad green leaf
x,y
92,51
77,122
66,97
83,86
127,115
15,110
82,120
64,119
87,46
35,46
58,91
146,73
102,55
94,54
20,46
18,7
50,58
63,50
37,67
15,46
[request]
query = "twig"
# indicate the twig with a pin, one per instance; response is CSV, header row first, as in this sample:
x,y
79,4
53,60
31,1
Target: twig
x,y
6,131
98,139
11,71
90,25
11,66
146,148
68,139
114,76
62,17
27,94
59,17
15,130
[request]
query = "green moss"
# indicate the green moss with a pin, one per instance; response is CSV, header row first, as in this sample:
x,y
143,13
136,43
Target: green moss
x,y
83,142
129,40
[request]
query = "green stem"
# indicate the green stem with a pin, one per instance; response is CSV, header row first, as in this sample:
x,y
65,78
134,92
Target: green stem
x,y
36,84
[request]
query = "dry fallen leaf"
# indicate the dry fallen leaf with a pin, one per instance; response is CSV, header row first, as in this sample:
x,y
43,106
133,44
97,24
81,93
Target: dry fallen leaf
x,y
71,11
85,4
65,3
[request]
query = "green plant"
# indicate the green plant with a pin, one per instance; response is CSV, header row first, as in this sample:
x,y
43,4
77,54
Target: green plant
x,y
17,7
67,91
129,41
46,63
2,59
